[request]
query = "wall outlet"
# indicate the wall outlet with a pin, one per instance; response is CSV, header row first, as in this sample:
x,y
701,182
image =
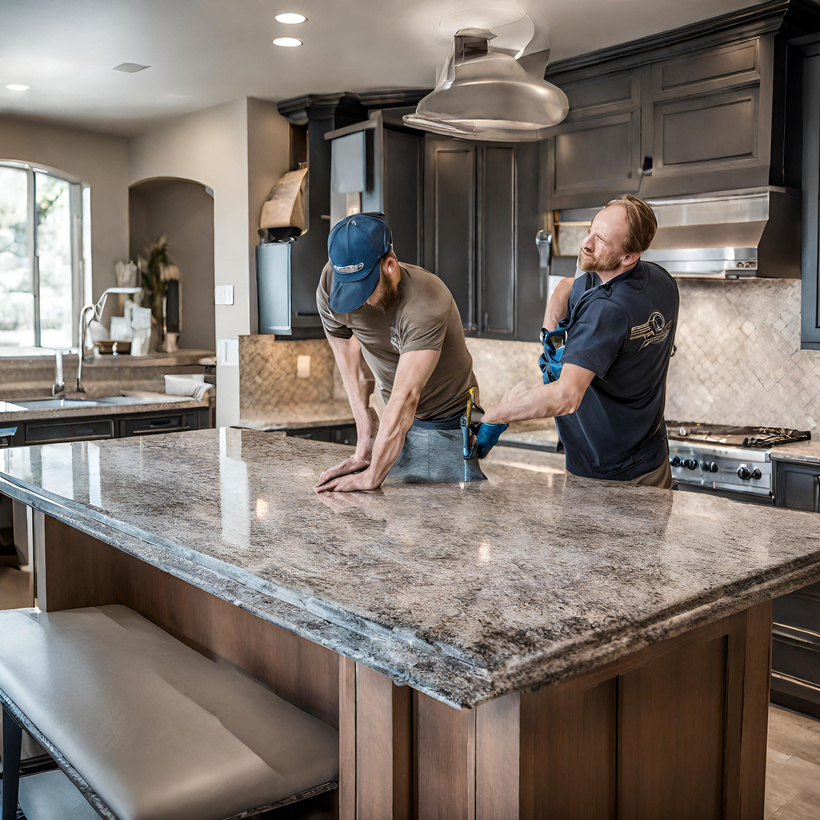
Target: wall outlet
x,y
303,367
223,295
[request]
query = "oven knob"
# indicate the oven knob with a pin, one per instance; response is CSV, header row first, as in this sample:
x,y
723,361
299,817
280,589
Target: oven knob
x,y
675,461
690,464
757,475
744,473
710,466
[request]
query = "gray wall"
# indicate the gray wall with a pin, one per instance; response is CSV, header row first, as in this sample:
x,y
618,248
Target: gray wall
x,y
184,212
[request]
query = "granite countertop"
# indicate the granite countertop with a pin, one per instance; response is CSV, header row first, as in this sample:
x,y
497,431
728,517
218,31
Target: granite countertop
x,y
298,415
124,404
800,452
463,592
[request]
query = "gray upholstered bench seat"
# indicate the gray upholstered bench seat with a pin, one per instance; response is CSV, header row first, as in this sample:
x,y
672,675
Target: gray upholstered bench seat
x,y
150,729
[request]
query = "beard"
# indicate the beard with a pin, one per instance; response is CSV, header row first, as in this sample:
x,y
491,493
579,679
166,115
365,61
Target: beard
x,y
598,262
388,295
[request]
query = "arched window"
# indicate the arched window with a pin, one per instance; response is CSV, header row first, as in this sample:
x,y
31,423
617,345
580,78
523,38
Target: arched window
x,y
43,270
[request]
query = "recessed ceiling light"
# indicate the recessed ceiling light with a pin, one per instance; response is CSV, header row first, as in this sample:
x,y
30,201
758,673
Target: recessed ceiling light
x,y
17,87
130,68
291,18
287,42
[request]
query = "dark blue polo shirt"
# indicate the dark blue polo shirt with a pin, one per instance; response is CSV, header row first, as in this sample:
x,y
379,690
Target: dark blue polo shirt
x,y
623,331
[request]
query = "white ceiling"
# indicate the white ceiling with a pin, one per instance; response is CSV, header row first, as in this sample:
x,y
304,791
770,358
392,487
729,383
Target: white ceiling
x,y
207,52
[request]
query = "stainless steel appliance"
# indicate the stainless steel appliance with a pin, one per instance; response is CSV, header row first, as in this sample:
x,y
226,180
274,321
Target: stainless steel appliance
x,y
734,462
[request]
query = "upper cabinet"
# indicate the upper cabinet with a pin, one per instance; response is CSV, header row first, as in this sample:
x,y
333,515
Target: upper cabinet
x,y
710,107
811,197
481,215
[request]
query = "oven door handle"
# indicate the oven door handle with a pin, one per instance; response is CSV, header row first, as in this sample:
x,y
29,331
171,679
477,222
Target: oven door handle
x,y
817,493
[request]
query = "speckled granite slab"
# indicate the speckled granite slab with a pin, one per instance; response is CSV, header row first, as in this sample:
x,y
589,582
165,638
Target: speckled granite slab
x,y
465,593
800,452
297,415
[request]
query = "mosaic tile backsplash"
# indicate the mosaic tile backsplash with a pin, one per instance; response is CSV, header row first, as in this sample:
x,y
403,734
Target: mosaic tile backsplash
x,y
738,357
738,361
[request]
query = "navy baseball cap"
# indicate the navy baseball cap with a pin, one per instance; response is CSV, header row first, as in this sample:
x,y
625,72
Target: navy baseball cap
x,y
355,247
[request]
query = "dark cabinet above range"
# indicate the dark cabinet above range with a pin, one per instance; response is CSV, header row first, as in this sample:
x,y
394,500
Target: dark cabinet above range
x,y
710,107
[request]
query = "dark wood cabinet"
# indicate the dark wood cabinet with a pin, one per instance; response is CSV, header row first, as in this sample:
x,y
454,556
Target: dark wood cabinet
x,y
594,159
811,198
481,214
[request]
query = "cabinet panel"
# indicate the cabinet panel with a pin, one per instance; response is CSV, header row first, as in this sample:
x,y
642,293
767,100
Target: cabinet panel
x,y
402,193
595,96
78,430
450,219
497,266
596,158
810,289
716,129
151,425
720,67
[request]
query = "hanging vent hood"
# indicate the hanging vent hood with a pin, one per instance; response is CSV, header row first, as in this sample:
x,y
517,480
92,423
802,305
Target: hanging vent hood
x,y
739,235
493,92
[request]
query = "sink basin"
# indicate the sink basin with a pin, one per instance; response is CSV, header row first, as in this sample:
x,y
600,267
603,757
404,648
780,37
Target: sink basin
x,y
48,403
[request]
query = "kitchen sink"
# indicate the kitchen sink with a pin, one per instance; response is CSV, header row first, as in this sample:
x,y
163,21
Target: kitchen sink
x,y
47,403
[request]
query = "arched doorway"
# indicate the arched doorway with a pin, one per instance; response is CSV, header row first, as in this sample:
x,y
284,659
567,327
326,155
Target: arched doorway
x,y
183,211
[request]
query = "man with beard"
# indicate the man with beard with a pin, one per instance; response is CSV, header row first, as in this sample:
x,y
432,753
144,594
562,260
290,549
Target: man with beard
x,y
402,322
620,327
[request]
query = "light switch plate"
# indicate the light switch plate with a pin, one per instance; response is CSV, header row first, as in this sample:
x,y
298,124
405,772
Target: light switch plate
x,y
303,367
229,352
223,295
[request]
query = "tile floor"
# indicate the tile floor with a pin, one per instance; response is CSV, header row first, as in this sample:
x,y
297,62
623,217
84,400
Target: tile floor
x,y
793,769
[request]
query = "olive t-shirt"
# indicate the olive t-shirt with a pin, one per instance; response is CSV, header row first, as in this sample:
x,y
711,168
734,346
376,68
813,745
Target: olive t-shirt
x,y
425,317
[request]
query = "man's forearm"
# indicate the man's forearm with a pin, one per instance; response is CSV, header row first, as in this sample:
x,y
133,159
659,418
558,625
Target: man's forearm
x,y
558,304
395,422
348,358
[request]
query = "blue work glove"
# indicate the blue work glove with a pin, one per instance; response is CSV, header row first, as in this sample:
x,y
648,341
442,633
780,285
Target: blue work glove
x,y
553,349
487,437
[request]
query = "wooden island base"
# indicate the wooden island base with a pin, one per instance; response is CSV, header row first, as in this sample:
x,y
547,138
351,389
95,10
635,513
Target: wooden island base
x,y
677,730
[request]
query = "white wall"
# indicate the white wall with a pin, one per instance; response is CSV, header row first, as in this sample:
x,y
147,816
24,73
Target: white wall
x,y
101,161
211,147
236,149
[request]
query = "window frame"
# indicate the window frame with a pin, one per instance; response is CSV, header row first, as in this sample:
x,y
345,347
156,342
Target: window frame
x,y
79,216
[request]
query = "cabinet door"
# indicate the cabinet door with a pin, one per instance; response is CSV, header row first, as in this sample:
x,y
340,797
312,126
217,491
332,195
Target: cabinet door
x,y
402,192
496,268
708,120
593,160
449,219
598,95
811,200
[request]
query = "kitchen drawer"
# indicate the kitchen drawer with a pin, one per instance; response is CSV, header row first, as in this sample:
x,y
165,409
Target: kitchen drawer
x,y
796,672
344,435
77,430
800,610
152,425
312,433
337,434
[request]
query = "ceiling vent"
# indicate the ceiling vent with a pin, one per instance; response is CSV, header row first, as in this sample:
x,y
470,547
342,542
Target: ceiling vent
x,y
493,92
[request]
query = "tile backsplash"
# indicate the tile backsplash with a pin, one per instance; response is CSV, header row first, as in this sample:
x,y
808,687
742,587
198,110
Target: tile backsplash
x,y
738,357
738,361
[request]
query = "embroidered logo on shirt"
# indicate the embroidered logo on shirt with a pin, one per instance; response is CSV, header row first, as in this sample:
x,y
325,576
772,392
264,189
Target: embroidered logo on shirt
x,y
654,331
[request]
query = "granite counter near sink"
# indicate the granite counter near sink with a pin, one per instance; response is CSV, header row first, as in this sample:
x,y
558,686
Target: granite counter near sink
x,y
298,415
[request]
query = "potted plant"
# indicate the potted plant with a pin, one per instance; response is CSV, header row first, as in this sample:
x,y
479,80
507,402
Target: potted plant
x,y
157,271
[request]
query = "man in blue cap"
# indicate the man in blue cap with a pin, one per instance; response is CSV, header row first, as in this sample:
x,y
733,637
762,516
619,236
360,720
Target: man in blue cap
x,y
403,323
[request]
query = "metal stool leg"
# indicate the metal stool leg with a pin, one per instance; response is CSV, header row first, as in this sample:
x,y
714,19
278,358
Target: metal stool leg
x,y
12,741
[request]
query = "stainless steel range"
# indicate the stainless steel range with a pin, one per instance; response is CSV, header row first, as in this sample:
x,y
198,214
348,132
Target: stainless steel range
x,y
730,461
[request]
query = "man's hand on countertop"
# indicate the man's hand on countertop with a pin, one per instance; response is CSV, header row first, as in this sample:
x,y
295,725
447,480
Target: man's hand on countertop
x,y
349,483
355,464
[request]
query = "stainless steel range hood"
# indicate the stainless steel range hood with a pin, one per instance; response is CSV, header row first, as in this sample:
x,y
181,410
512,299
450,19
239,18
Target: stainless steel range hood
x,y
743,234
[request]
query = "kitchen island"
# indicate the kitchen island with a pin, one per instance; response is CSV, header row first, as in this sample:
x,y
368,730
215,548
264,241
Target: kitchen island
x,y
569,648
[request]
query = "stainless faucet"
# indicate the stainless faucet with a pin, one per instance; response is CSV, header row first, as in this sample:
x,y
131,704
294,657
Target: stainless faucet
x,y
96,313
59,381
